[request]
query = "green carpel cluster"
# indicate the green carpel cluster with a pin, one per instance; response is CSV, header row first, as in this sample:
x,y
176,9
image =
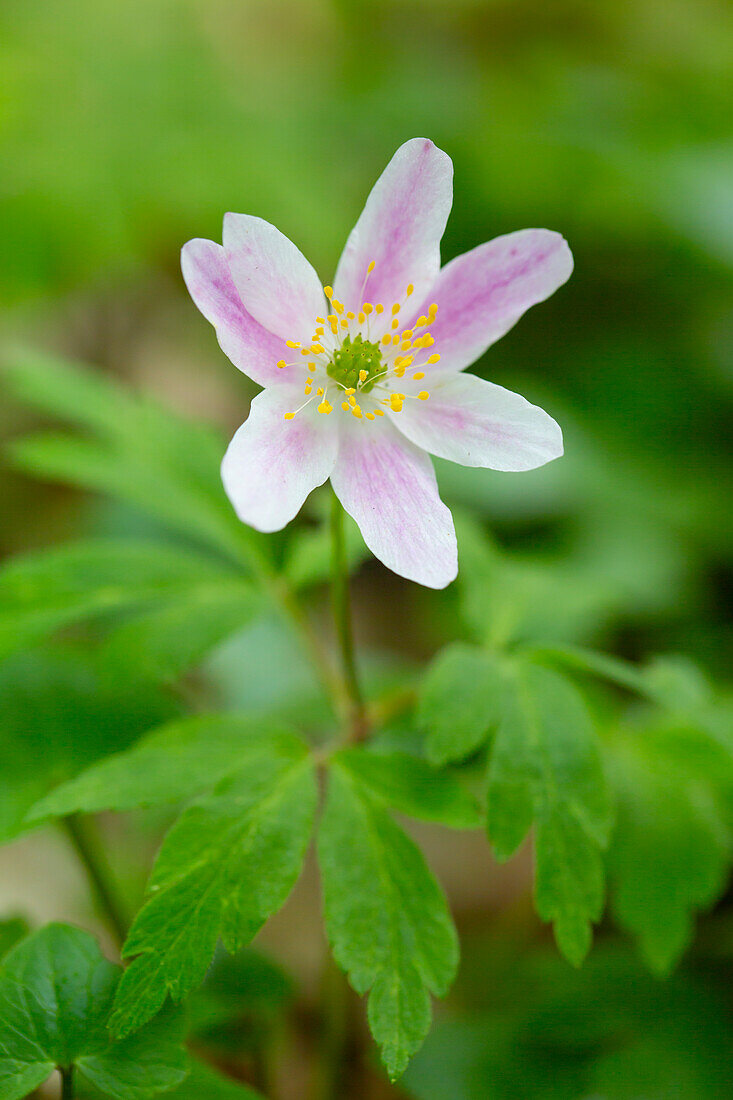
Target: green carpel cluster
x,y
353,357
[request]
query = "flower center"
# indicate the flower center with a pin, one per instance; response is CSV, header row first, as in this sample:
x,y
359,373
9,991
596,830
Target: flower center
x,y
358,360
356,363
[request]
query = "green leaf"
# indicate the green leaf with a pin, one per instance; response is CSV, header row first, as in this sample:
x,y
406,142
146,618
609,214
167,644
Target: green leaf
x,y
411,786
54,588
11,930
203,1083
386,917
60,710
228,863
671,847
172,763
460,702
56,992
133,449
545,768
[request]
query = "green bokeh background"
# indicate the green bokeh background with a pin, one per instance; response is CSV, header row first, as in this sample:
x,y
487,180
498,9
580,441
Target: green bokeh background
x,y
128,128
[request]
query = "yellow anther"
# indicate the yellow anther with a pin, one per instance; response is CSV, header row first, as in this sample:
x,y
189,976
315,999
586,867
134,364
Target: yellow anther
x,y
423,395
418,375
428,340
368,308
361,318
433,309
395,309
320,320
422,320
434,358
325,407
379,307
289,416
396,339
319,391
396,401
407,334
371,267
281,363
363,375
386,339
311,366
317,349
349,391
328,291
292,344
350,314
406,344
332,317
370,416
344,324
306,351
307,391
407,361
352,402
356,411
399,371
319,332
379,412
396,323
410,289
345,406
338,306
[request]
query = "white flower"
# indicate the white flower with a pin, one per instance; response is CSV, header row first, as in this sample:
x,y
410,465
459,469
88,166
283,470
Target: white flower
x,y
363,381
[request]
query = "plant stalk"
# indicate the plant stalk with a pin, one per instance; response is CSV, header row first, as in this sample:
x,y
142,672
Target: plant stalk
x,y
67,1083
86,843
341,605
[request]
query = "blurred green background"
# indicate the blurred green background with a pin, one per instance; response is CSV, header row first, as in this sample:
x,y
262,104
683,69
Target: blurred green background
x,y
128,128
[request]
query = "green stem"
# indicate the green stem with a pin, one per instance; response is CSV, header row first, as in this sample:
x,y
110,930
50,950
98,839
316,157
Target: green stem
x,y
342,618
67,1083
85,841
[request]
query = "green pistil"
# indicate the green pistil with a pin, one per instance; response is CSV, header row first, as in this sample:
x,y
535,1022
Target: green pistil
x,y
353,357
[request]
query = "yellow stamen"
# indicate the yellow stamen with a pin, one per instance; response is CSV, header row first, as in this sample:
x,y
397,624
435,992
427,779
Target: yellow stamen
x,y
338,306
352,402
379,307
368,308
319,391
361,318
370,416
289,416
406,345
418,375
423,395
292,344
356,411
421,321
345,406
349,391
363,375
281,363
386,339
350,314
395,309
396,401
320,320
325,407
371,267
410,289
379,412
434,358
407,334
328,291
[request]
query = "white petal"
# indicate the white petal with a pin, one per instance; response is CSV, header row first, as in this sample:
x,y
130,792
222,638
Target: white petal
x,y
399,229
389,488
477,423
275,281
272,464
251,348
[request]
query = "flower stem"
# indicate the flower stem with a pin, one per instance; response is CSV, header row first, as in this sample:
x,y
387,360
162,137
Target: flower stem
x,y
67,1082
342,618
85,841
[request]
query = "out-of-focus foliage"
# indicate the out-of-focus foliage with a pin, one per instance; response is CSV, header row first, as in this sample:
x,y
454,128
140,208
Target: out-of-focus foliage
x,y
126,129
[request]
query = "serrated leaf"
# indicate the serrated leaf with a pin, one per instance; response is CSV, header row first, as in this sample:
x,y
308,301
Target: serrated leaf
x,y
545,768
44,591
56,992
227,864
169,764
460,701
672,844
386,917
412,787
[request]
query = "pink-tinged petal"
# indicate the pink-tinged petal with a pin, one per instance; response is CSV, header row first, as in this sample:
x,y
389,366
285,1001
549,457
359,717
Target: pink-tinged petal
x,y
476,423
272,464
275,281
389,488
251,348
399,230
482,293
